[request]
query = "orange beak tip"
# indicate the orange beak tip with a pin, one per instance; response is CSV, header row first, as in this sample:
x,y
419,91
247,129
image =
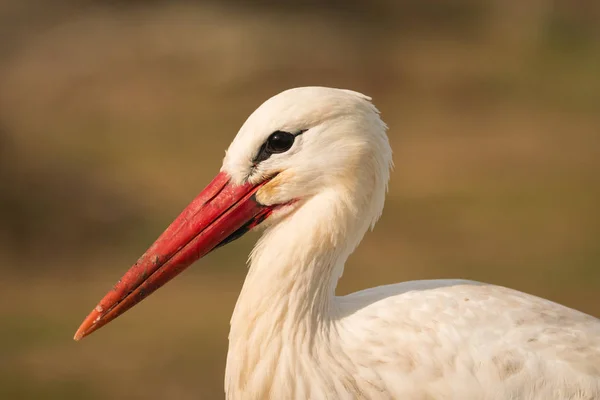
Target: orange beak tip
x,y
87,326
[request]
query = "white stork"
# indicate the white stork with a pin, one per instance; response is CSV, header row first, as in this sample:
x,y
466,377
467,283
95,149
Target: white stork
x,y
312,165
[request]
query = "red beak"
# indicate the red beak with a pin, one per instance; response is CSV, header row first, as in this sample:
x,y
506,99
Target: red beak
x,y
222,212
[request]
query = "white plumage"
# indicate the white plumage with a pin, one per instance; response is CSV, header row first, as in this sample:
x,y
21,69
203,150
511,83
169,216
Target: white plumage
x,y
318,188
292,338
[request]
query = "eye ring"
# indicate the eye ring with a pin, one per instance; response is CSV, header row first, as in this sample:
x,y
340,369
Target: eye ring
x,y
277,142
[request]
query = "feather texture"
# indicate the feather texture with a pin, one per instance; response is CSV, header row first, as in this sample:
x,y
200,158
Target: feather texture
x,y
292,338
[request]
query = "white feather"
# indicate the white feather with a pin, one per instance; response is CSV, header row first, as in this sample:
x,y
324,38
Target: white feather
x,y
292,338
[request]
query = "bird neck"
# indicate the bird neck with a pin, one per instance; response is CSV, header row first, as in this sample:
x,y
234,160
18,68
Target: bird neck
x,y
288,300
296,265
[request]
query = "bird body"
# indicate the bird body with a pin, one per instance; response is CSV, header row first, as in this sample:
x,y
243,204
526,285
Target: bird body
x,y
312,165
440,339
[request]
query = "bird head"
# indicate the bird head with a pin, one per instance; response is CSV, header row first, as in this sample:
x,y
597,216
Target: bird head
x,y
299,144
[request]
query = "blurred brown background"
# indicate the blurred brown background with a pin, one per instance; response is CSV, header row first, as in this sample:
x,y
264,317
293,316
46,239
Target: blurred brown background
x,y
114,114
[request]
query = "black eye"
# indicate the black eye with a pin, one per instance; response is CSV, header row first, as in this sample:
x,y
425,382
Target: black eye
x,y
279,142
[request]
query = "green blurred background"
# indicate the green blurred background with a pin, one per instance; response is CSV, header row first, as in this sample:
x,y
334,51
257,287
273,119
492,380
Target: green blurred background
x,y
114,114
